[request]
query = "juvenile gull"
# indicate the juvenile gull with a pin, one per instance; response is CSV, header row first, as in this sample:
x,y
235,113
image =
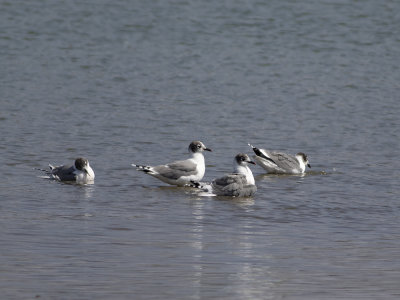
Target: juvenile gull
x,y
180,172
240,183
80,172
279,162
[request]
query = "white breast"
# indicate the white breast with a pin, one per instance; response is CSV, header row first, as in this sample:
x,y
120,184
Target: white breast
x,y
198,158
83,177
245,170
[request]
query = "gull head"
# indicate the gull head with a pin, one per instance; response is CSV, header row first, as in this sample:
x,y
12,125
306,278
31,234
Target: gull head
x,y
82,164
242,159
197,146
303,158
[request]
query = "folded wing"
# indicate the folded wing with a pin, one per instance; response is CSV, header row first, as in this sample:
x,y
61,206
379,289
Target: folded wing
x,y
234,185
63,173
177,169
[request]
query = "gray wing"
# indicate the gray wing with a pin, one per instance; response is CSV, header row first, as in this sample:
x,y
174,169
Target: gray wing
x,y
248,190
177,169
64,173
283,160
229,185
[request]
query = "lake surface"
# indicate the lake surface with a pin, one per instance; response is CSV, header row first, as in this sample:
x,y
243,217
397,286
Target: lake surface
x,y
123,82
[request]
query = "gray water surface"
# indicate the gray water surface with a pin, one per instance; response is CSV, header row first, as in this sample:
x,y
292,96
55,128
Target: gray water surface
x,y
123,82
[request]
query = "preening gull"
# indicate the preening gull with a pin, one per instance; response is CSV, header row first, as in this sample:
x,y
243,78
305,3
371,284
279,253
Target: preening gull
x,y
279,162
80,172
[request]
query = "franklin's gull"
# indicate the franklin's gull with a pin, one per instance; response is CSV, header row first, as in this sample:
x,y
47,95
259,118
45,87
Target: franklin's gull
x,y
80,172
279,162
238,184
180,172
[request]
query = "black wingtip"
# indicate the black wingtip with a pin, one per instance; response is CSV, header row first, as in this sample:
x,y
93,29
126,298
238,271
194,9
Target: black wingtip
x,y
142,168
260,154
42,170
255,149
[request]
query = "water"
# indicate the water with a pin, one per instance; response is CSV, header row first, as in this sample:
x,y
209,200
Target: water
x,y
123,82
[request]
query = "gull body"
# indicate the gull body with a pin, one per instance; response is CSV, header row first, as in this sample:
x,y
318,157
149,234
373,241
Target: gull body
x,y
240,183
180,172
279,162
80,172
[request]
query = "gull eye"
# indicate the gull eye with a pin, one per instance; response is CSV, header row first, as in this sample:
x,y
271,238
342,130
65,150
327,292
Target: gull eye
x,y
199,146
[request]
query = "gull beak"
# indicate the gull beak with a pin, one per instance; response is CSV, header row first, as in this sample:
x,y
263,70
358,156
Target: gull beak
x,y
207,149
308,165
251,162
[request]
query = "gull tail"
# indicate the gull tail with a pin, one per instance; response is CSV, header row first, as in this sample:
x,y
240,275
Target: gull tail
x,y
44,170
205,186
48,173
146,169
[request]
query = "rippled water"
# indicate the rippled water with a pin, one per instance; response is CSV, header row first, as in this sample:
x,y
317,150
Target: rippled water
x,y
125,81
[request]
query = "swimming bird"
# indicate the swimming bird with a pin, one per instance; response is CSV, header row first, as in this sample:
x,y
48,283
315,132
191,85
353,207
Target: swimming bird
x,y
279,162
240,183
180,172
80,172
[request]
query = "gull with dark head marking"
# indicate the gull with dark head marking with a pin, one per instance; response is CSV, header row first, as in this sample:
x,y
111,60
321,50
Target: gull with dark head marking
x,y
180,172
281,163
80,172
240,183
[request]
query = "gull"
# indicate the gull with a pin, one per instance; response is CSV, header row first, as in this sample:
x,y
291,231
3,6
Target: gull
x,y
279,162
80,172
240,183
180,172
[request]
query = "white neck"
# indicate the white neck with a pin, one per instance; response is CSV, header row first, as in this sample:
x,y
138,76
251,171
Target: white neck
x,y
245,170
198,157
301,163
